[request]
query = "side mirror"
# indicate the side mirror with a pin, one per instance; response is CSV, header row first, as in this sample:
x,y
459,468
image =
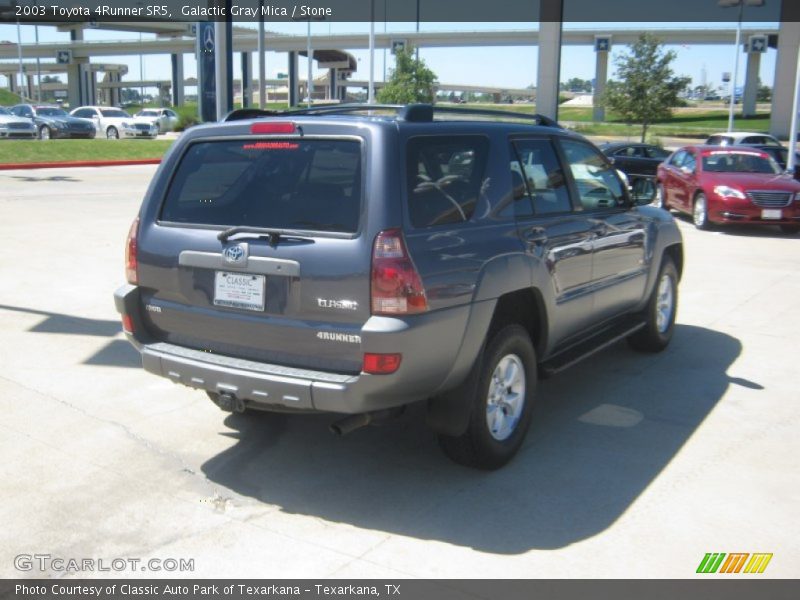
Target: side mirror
x,y
643,191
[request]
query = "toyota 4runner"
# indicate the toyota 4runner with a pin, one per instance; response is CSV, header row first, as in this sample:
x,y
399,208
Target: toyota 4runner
x,y
354,259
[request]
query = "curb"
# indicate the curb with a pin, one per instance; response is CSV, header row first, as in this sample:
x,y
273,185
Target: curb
x,y
79,163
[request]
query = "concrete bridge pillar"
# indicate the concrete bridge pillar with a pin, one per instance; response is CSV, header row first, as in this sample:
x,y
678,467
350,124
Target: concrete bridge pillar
x,y
785,73
177,79
294,84
751,84
247,81
549,58
602,48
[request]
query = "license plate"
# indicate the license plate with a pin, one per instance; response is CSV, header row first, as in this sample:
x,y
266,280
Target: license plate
x,y
771,213
239,290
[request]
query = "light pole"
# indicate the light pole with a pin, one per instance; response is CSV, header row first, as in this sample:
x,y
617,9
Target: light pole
x,y
38,63
740,4
310,55
262,67
21,67
371,92
791,162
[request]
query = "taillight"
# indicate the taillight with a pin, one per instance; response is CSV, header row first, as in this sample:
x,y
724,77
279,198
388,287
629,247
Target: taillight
x,y
381,364
272,127
396,286
127,323
131,251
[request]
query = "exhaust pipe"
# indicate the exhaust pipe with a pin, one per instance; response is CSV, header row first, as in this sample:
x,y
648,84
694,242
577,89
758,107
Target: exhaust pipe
x,y
230,403
352,422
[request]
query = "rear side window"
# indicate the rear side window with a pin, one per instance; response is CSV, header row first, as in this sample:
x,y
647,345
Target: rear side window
x,y
283,184
444,178
537,179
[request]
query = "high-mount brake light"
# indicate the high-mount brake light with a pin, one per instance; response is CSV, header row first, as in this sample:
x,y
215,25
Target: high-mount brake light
x,y
131,254
396,287
272,127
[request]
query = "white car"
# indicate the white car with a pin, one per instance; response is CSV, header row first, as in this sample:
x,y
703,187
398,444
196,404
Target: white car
x,y
114,123
15,127
742,138
165,118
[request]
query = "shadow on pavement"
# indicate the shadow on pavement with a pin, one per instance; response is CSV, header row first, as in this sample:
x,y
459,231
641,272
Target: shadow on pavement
x,y
603,432
117,353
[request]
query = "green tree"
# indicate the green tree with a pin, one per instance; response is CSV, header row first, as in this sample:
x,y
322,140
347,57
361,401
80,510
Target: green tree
x,y
410,81
647,88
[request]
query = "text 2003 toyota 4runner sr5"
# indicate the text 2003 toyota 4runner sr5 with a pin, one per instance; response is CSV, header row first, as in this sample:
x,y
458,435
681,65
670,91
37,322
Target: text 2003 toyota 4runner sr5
x,y
355,259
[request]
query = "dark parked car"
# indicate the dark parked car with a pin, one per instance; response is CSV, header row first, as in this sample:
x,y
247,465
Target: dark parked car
x,y
635,159
342,261
781,156
731,184
53,122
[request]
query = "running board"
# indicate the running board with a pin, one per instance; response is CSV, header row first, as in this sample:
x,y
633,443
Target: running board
x,y
596,343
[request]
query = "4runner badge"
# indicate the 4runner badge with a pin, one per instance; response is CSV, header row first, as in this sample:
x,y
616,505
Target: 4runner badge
x,y
339,337
235,255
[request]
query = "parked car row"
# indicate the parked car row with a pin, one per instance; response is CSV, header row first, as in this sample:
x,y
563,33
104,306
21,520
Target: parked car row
x,y
85,122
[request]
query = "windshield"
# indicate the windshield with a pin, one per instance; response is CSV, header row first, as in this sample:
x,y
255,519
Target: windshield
x,y
148,113
739,162
280,184
47,111
115,114
4,111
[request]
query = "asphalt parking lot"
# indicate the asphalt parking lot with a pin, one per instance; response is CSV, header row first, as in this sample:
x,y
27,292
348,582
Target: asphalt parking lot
x,y
636,465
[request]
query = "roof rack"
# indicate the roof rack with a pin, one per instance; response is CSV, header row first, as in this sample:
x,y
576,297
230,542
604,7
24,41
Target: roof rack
x,y
417,113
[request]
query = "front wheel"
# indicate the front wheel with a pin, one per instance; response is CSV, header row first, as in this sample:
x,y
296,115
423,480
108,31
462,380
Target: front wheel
x,y
112,133
44,132
700,213
500,404
660,312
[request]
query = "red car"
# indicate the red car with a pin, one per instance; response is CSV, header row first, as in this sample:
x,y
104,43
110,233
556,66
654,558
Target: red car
x,y
731,184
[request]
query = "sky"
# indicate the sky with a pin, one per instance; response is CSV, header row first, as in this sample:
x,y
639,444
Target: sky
x,y
513,67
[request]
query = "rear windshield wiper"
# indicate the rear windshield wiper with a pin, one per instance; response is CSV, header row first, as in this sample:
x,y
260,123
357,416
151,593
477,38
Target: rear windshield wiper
x,y
274,235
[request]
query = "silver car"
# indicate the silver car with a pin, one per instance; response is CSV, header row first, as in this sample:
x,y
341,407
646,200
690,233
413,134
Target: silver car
x,y
12,127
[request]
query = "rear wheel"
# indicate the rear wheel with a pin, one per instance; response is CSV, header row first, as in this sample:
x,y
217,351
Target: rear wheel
x,y
700,212
790,229
660,312
112,133
501,403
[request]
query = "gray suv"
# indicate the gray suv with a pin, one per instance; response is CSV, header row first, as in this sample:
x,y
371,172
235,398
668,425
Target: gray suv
x,y
356,259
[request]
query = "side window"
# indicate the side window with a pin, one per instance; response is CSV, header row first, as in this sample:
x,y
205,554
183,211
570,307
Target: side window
x,y
654,152
85,113
630,152
715,140
538,180
597,183
678,158
690,162
444,178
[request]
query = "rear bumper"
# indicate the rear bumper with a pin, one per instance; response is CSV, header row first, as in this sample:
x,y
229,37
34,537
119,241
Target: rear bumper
x,y
430,345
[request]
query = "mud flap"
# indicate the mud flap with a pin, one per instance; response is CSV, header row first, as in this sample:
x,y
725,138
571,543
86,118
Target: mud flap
x,y
449,413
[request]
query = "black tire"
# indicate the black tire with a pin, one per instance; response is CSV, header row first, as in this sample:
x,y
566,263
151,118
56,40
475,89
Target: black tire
x,y
700,212
44,133
790,229
657,332
112,133
478,447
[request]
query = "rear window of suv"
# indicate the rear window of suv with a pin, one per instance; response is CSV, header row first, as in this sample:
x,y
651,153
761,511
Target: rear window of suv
x,y
284,184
